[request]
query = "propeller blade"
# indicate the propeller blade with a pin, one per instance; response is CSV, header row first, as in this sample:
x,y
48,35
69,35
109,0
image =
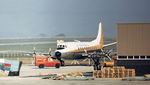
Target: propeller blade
x,y
110,51
34,49
49,51
109,58
85,51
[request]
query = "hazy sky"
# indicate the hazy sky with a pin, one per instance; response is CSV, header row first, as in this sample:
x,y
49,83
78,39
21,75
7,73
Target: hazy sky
x,y
20,18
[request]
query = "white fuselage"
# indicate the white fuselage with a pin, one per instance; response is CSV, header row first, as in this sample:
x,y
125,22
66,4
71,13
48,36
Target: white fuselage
x,y
81,47
73,47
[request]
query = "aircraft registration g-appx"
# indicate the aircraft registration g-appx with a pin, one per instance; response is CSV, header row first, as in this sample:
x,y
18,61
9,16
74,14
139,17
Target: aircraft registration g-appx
x,y
74,50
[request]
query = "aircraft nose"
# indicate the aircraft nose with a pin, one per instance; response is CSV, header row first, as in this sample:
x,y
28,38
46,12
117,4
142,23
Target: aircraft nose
x,y
58,51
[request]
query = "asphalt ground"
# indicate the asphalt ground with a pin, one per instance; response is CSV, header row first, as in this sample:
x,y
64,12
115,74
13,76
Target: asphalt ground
x,y
32,75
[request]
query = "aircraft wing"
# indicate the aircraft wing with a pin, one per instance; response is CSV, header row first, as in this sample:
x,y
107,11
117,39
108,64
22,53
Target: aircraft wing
x,y
109,44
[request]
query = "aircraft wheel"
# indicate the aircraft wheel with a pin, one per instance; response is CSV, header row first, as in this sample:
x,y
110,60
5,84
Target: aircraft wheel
x,y
95,68
62,63
57,65
41,66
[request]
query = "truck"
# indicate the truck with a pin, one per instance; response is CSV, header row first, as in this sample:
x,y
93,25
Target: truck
x,y
46,61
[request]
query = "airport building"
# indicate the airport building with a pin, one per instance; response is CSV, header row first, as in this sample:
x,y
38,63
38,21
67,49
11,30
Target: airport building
x,y
133,46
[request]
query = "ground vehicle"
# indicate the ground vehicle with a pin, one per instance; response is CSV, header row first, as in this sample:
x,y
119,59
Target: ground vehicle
x,y
46,61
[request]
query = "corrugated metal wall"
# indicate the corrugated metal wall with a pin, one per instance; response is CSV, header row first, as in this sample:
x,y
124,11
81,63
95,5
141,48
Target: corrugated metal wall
x,y
133,39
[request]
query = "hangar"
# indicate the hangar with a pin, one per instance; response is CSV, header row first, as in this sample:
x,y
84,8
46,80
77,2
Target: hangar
x,y
133,46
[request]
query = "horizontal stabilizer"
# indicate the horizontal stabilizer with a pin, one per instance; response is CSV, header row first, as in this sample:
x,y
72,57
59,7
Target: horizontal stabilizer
x,y
109,44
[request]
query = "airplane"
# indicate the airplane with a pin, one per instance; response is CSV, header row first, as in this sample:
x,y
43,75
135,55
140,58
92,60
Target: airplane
x,y
76,49
73,50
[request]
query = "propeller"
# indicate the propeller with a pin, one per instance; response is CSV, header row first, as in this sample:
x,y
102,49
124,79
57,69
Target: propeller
x,y
33,56
34,52
85,51
58,55
87,59
99,58
107,53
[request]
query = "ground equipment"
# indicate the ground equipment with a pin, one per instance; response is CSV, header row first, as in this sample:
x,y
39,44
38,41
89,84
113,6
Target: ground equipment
x,y
10,65
46,61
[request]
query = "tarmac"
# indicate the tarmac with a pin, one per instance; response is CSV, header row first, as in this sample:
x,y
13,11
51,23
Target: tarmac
x,y
32,75
31,70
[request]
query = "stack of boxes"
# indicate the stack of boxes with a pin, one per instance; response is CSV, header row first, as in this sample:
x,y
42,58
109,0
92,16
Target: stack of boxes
x,y
114,72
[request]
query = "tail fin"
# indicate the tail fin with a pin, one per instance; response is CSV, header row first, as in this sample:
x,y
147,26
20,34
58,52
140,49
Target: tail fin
x,y
99,39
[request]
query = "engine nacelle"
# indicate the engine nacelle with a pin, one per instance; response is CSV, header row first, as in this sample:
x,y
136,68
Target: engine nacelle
x,y
58,56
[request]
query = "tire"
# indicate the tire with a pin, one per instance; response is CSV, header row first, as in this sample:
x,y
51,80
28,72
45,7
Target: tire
x,y
57,65
95,68
41,66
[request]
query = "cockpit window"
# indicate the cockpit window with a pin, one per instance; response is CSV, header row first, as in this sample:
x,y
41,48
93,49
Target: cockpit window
x,y
61,47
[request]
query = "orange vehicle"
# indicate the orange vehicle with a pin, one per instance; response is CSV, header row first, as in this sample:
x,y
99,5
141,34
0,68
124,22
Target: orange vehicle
x,y
46,61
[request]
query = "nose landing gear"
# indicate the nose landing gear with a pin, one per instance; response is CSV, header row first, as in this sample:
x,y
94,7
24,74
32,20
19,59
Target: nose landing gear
x,y
58,56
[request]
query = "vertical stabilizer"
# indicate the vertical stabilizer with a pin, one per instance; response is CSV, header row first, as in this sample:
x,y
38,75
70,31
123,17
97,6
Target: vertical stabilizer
x,y
99,38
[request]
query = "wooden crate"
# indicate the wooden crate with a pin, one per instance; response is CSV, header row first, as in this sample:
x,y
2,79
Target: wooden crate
x,y
99,74
108,72
111,75
126,73
115,75
121,75
94,73
111,71
131,72
119,67
114,72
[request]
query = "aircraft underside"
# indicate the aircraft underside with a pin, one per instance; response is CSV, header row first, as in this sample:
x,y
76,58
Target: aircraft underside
x,y
76,55
72,56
